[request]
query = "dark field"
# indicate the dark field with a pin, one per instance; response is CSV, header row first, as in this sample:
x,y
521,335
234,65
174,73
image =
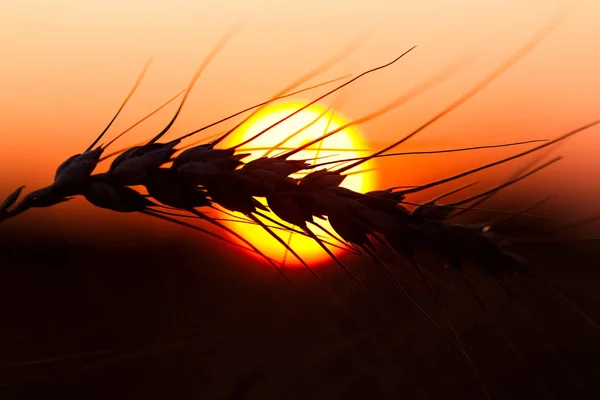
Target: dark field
x,y
140,315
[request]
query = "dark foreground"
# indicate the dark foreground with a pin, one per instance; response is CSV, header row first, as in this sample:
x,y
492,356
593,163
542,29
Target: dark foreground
x,y
157,318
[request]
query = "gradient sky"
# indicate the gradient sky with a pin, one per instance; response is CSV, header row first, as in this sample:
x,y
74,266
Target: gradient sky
x,y
68,64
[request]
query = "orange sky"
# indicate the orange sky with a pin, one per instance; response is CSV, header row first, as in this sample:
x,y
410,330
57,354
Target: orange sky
x,y
68,64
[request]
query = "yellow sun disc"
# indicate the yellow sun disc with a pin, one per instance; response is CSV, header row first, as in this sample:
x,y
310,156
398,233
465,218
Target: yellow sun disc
x,y
307,125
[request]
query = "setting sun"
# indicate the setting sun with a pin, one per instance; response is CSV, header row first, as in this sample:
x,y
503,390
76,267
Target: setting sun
x,y
307,125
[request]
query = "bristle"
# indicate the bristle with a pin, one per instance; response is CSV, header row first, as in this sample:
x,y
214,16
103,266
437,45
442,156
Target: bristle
x,y
504,160
219,137
135,86
528,47
417,90
142,120
335,59
245,142
432,152
213,53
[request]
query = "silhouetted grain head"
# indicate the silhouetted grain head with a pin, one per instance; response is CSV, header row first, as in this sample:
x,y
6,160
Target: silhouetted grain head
x,y
387,202
288,208
278,166
324,202
264,183
76,169
400,242
379,221
165,186
229,192
202,164
201,153
102,192
321,179
51,195
432,212
41,198
457,244
132,166
10,200
351,229
198,173
204,172
490,247
443,240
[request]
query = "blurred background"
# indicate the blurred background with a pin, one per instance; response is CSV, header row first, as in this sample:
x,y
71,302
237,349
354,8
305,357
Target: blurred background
x,y
121,306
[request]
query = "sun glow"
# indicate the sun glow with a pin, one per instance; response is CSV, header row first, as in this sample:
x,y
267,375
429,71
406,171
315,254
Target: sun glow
x,y
307,125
